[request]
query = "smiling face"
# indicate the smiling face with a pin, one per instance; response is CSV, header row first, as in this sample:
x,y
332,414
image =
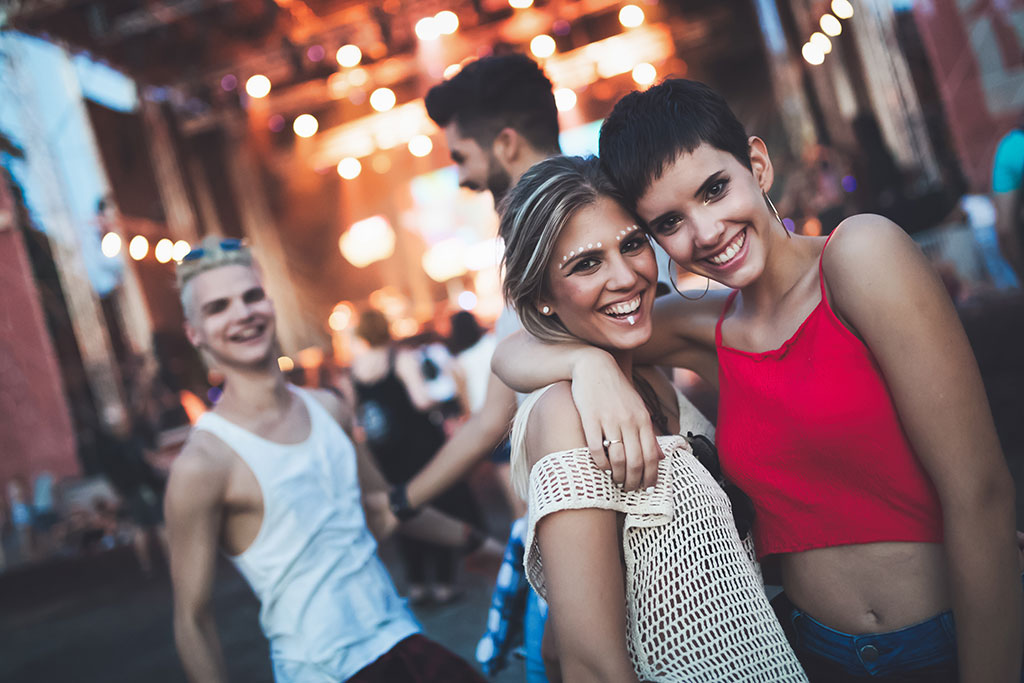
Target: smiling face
x,y
708,212
230,318
601,277
478,168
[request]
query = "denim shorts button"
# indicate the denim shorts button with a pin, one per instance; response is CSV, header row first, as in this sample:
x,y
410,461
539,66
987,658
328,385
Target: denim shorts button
x,y
869,653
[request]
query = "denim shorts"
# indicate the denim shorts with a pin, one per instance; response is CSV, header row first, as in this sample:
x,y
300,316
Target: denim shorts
x,y
925,651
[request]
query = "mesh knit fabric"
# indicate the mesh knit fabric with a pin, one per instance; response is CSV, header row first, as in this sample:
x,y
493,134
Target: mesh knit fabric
x,y
695,602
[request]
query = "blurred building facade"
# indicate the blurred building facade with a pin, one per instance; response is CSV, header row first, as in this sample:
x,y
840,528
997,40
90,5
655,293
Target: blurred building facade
x,y
299,125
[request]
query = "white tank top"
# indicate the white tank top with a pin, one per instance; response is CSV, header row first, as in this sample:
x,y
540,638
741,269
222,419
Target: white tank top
x,y
326,599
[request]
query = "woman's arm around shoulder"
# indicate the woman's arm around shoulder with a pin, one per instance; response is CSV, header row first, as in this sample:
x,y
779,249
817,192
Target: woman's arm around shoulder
x,y
580,551
884,289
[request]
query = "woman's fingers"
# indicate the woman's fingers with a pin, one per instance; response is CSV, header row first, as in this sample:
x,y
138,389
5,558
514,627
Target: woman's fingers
x,y
652,454
634,455
595,442
616,457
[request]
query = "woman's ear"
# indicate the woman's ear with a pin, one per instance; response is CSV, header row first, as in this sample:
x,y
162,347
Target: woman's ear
x,y
761,163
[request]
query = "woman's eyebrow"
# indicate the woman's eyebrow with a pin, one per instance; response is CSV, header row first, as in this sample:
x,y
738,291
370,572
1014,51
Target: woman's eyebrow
x,y
711,179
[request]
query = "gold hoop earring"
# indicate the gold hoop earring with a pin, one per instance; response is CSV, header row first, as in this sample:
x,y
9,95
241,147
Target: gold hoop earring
x,y
768,201
672,281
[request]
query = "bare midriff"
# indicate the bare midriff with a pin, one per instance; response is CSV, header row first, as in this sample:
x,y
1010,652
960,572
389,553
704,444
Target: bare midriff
x,y
868,588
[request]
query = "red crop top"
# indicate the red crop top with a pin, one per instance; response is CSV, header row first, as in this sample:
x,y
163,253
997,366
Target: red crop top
x,y
810,433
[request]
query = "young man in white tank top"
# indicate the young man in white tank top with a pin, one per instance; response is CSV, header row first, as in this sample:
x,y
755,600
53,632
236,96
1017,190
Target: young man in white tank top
x,y
271,478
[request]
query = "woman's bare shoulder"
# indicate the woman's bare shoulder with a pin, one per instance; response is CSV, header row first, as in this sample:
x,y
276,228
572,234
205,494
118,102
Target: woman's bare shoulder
x,y
554,424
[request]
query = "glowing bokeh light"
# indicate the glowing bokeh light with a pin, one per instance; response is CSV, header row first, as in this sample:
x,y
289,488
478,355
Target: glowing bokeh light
x,y
631,16
315,53
228,82
305,125
830,25
445,260
427,29
181,249
812,54
420,146
644,73
164,250
276,123
565,99
349,55
341,316
821,41
451,70
349,168
257,86
542,46
447,22
138,247
110,245
285,363
520,4
467,300
842,9
367,241
383,99
358,77
405,327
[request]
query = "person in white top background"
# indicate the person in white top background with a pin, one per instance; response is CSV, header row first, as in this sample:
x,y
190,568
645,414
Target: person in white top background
x,y
656,584
271,478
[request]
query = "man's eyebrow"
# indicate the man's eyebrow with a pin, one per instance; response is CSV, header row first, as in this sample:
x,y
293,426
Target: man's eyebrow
x,y
213,305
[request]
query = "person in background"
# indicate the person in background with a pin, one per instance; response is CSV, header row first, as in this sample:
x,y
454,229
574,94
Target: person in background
x,y
271,477
1008,195
393,401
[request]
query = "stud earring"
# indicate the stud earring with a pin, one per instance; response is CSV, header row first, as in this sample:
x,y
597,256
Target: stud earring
x,y
546,310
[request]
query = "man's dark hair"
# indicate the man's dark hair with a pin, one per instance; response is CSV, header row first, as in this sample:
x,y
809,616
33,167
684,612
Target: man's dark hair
x,y
497,92
648,130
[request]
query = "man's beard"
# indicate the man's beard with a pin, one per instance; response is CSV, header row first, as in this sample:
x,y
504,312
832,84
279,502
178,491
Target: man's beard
x,y
498,180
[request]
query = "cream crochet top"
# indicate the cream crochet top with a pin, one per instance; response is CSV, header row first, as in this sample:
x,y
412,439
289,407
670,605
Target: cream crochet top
x,y
695,602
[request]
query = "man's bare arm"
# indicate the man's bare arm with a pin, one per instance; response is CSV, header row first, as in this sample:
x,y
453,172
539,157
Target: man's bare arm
x,y
194,509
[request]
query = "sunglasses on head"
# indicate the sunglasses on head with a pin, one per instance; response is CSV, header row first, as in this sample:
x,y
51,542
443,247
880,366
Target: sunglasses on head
x,y
226,244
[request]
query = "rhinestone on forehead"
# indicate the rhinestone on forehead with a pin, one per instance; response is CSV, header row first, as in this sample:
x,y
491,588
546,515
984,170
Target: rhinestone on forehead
x,y
580,249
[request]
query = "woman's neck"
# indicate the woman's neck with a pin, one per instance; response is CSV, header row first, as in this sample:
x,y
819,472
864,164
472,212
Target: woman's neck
x,y
786,262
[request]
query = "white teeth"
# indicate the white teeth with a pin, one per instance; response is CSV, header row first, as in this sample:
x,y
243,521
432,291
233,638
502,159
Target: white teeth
x,y
632,320
729,252
624,308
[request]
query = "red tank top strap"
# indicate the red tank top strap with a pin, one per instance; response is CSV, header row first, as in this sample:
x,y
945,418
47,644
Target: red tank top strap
x,y
721,317
821,268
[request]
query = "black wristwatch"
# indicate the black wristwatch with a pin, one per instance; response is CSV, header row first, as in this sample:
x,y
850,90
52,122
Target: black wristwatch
x,y
399,503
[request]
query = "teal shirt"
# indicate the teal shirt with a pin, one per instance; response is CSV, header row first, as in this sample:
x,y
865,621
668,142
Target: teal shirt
x,y
1008,167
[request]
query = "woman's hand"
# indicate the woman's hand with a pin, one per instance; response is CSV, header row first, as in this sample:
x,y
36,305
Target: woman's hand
x,y
612,411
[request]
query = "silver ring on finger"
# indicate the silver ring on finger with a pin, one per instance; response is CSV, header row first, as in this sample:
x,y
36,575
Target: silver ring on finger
x,y
608,442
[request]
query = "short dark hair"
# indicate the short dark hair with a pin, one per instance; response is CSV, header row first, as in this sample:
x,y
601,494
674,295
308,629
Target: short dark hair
x,y
648,130
466,332
497,92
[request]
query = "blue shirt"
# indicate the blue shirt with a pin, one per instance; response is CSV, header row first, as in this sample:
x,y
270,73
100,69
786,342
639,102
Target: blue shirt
x,y
1008,167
